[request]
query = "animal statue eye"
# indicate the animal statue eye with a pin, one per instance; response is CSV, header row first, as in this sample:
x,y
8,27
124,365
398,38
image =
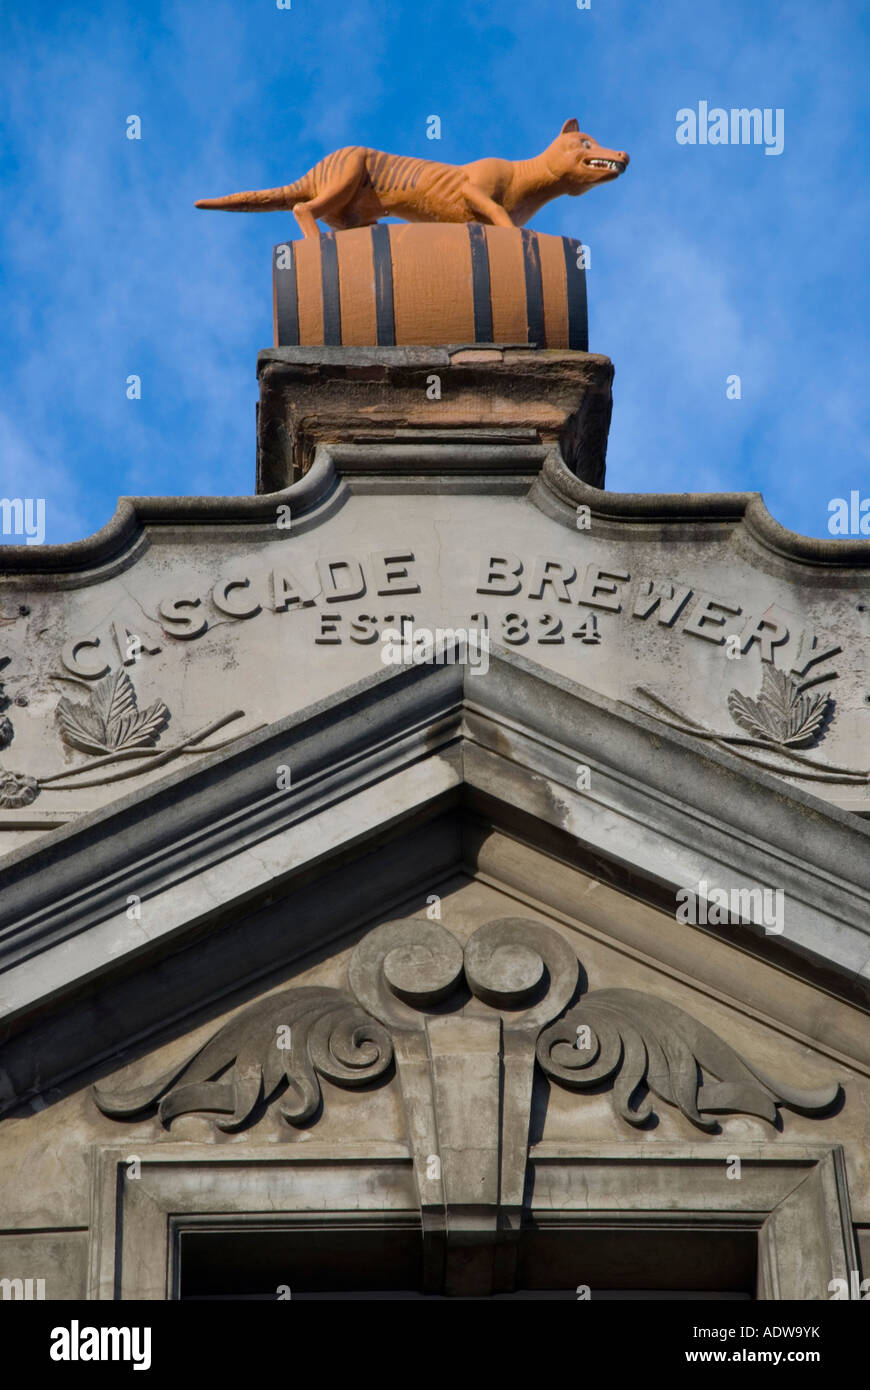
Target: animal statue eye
x,y
587,144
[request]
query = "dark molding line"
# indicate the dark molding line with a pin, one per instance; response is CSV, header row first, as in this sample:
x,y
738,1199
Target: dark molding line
x,y
123,538
697,509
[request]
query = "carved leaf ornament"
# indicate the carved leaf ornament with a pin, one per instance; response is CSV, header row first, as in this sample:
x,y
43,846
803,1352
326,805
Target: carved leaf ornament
x,y
781,714
512,968
331,1036
109,721
636,1040
110,726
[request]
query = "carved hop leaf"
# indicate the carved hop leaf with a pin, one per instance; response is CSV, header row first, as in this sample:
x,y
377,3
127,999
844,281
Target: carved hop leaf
x,y
110,722
289,1039
638,1040
781,714
17,789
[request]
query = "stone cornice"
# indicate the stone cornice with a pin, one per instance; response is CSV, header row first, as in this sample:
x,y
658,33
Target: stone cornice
x,y
701,513
118,544
138,521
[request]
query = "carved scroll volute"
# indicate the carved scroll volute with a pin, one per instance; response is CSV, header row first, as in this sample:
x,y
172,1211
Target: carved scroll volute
x,y
402,968
521,968
464,1027
396,972
511,963
648,1046
466,1079
242,1062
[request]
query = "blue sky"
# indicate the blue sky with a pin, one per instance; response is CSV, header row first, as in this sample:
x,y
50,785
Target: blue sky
x,y
705,260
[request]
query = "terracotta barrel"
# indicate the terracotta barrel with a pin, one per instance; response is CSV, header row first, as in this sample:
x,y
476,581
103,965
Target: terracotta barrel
x,y
430,284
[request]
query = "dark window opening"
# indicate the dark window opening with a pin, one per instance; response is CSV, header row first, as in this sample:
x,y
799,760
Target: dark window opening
x,y
386,1262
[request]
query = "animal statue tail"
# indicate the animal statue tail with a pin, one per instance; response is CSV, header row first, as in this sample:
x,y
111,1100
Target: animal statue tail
x,y
260,200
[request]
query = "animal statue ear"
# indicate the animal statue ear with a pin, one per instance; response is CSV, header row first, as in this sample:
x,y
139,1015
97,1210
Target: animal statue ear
x,y
569,126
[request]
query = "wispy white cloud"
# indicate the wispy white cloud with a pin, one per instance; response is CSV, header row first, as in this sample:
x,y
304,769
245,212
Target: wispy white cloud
x,y
705,262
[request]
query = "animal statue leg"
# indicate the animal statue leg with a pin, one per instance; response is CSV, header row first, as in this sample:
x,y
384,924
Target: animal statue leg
x,y
333,198
482,203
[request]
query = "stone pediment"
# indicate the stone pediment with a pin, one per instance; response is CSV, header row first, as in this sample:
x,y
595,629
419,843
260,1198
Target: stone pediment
x,y
466,1033
505,995
227,869
486,1077
503,1032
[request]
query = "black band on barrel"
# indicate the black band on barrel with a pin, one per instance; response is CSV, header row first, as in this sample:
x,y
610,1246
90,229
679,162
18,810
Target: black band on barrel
x,y
575,286
330,290
286,299
382,264
480,284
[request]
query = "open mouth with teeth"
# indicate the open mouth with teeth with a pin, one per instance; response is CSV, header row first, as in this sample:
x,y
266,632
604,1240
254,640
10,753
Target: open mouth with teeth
x,y
615,166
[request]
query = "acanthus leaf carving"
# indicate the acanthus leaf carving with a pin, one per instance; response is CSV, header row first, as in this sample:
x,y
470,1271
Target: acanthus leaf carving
x,y
403,972
327,1034
637,1040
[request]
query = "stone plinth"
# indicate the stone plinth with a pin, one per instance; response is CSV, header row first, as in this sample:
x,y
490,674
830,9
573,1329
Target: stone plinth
x,y
499,394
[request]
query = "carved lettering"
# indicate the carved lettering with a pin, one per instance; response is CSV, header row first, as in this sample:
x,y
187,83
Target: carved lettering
x,y
328,633
500,574
669,599
708,616
364,629
70,659
810,653
131,644
391,573
769,632
287,592
555,574
332,572
600,589
235,607
178,624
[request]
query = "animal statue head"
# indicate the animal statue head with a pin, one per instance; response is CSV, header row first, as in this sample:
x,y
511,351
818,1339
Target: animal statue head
x,y
580,162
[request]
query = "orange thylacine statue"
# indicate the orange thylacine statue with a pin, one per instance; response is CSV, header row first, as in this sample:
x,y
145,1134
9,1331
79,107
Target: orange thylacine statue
x,y
355,186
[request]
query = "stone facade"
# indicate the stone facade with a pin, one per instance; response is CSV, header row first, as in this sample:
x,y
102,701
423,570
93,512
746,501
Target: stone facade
x,y
541,963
